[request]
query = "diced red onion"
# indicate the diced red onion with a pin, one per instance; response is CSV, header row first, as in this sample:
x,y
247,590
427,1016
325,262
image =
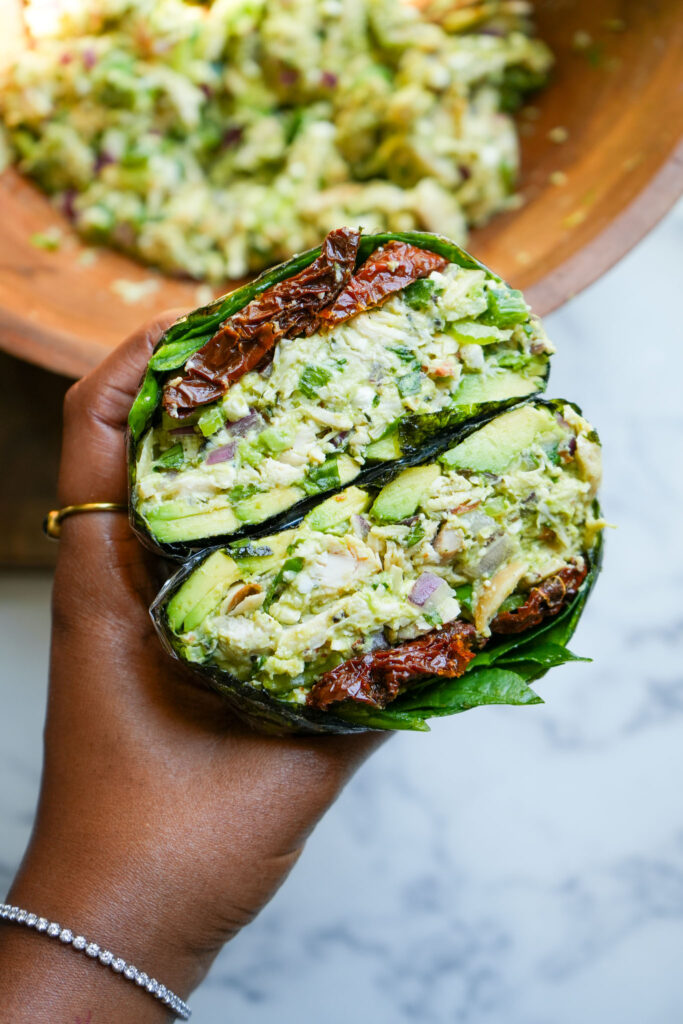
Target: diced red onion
x,y
329,79
222,454
66,58
185,431
89,58
103,159
424,587
68,200
360,525
410,521
232,137
241,427
289,76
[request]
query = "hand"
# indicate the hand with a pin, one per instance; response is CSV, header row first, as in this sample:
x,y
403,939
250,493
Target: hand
x,y
163,825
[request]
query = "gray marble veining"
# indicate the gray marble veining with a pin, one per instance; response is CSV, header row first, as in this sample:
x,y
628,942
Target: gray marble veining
x,y
517,865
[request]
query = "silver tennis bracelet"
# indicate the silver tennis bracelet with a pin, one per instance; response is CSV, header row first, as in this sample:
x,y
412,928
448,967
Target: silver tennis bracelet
x,y
91,949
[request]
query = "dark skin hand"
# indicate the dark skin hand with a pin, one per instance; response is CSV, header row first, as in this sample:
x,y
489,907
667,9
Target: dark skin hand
x,y
163,825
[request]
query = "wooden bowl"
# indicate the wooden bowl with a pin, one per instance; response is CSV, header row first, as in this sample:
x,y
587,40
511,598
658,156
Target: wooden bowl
x,y
616,90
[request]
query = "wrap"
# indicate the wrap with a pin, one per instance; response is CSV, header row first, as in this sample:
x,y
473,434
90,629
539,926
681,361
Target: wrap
x,y
449,584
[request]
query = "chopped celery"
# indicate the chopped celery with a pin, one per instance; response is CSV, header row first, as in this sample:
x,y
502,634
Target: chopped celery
x,y
418,295
249,454
468,332
506,307
210,421
273,440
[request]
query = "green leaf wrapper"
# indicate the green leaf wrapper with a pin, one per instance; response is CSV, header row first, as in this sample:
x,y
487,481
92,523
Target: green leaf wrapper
x,y
191,332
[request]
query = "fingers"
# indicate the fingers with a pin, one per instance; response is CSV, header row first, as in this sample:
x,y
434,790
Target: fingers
x,y
93,466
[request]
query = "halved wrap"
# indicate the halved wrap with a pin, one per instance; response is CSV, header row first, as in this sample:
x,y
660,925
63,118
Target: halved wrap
x,y
447,585
347,357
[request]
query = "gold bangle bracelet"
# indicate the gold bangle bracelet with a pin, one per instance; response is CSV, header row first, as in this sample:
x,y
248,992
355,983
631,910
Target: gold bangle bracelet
x,y
52,524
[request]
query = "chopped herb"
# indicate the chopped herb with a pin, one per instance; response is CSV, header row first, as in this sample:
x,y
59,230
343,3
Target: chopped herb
x,y
411,384
433,618
322,478
375,401
553,453
313,378
518,81
243,491
172,458
464,597
415,535
293,565
406,355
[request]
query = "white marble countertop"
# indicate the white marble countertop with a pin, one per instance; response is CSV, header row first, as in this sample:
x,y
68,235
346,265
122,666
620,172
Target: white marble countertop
x,y
518,865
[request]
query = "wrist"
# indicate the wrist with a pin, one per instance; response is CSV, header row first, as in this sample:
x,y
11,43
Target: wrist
x,y
123,900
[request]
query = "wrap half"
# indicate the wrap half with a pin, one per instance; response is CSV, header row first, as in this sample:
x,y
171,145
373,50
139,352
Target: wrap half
x,y
344,359
450,584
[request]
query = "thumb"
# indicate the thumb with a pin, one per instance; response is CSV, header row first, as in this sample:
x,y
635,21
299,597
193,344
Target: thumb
x,y
93,464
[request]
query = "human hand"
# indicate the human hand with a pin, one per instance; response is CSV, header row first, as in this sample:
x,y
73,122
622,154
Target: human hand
x,y
164,825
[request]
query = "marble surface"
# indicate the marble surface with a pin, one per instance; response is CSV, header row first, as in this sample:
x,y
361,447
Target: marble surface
x,y
523,865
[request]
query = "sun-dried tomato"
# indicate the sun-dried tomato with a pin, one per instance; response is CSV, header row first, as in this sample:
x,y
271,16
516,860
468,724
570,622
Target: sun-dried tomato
x,y
377,678
544,601
386,271
246,340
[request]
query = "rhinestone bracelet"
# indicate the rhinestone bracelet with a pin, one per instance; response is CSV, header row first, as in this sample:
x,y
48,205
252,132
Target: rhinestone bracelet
x,y
91,949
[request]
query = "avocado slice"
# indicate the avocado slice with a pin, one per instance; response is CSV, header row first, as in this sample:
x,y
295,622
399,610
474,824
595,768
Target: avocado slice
x,y
338,508
493,447
386,449
263,554
201,592
475,388
173,522
401,497
268,503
